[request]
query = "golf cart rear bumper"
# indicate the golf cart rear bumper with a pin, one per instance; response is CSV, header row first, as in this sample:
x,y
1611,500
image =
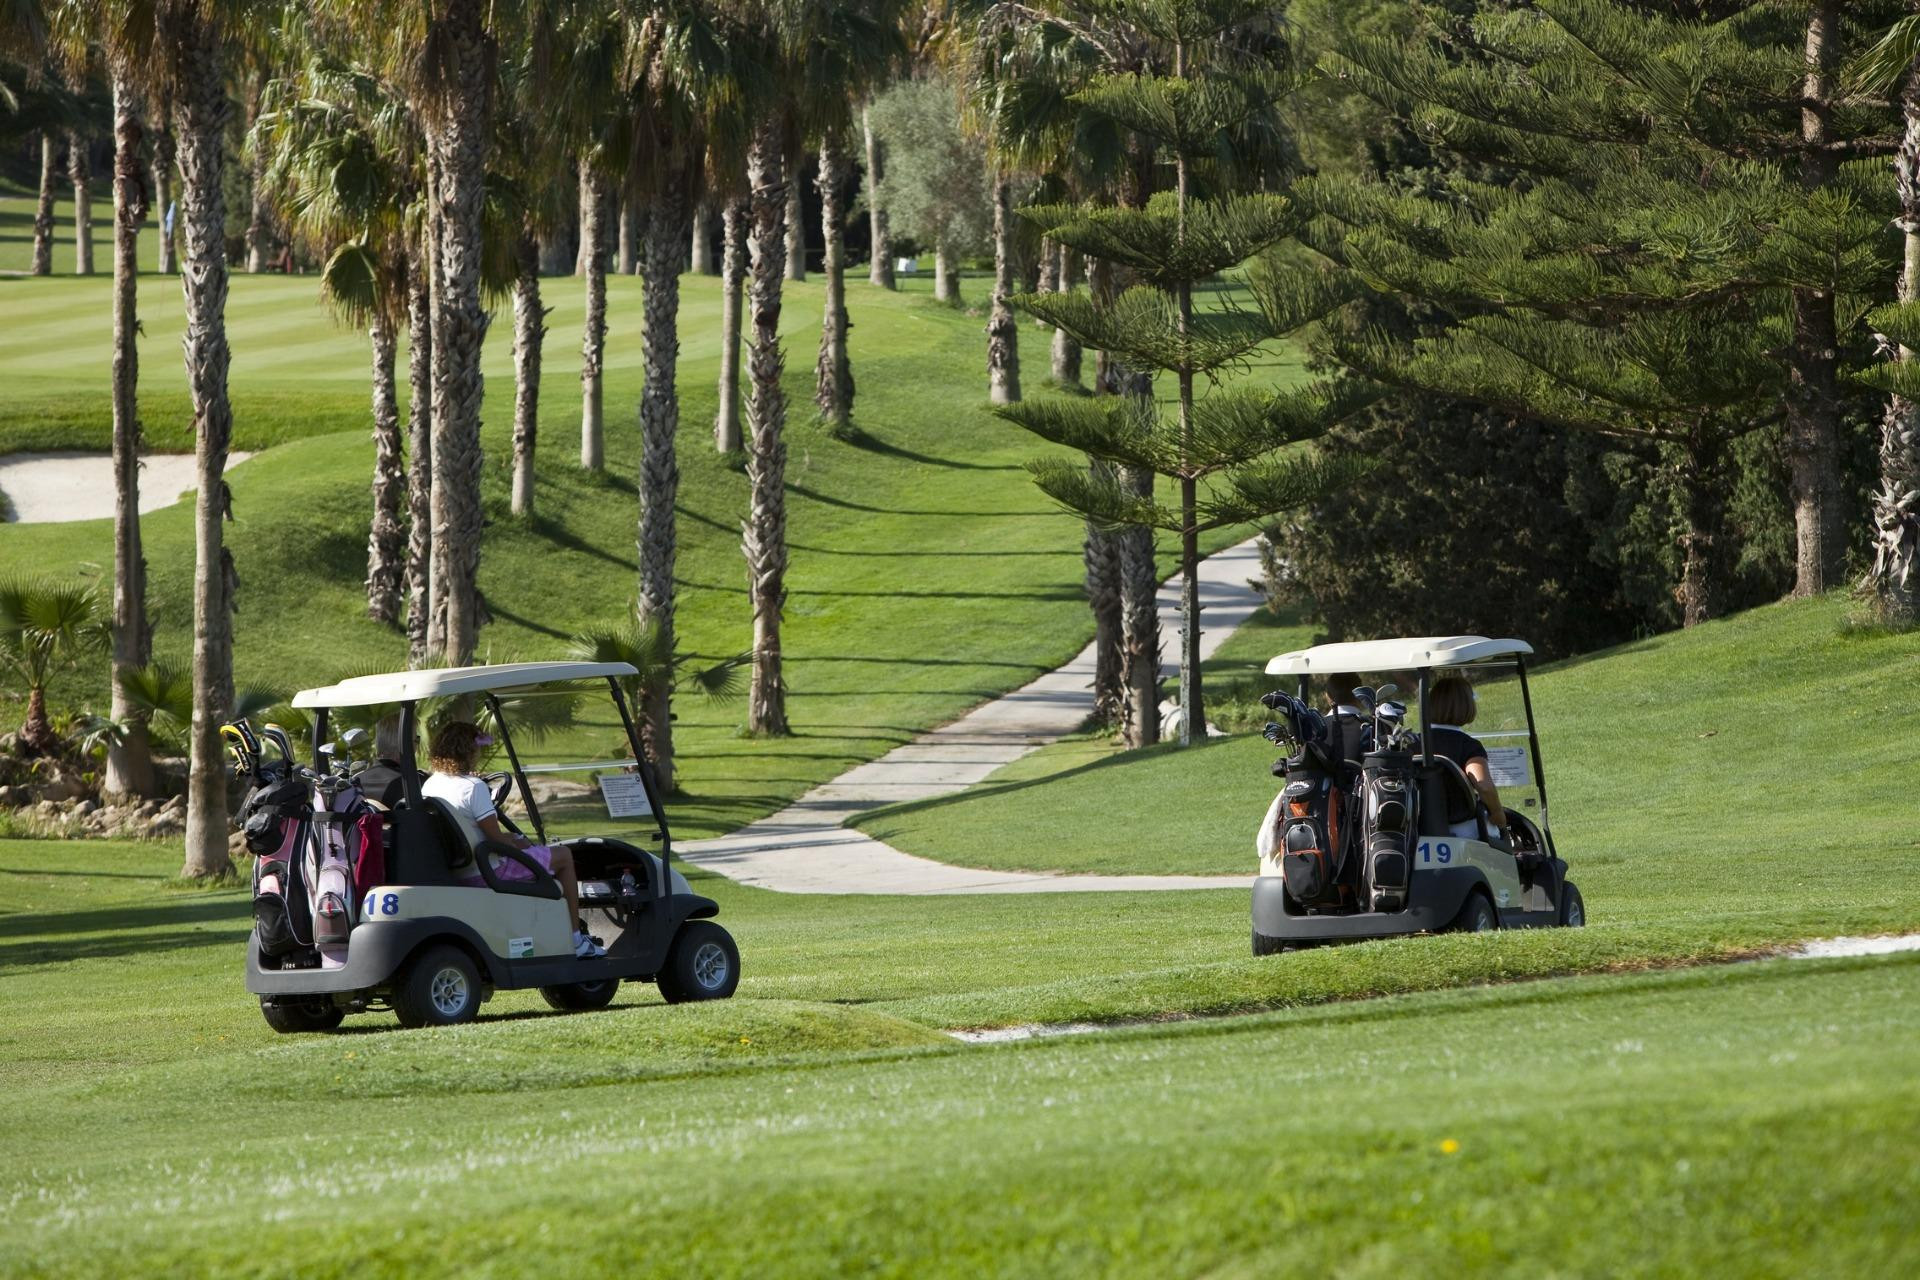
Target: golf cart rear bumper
x,y
1435,898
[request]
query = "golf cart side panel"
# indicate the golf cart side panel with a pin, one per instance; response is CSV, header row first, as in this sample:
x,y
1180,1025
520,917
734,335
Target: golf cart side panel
x,y
1433,900
374,956
507,924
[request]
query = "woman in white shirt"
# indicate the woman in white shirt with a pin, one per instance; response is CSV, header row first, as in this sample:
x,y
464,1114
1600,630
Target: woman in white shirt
x,y
452,752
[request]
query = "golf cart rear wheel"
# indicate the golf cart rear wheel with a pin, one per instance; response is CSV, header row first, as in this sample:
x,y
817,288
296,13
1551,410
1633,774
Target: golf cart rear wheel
x,y
1573,909
703,964
440,988
579,997
1476,916
293,1017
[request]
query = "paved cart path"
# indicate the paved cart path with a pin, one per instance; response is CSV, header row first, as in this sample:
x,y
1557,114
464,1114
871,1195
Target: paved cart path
x,y
805,848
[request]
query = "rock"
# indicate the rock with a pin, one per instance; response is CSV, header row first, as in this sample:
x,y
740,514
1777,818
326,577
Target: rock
x,y
147,808
58,788
86,807
166,825
176,805
7,796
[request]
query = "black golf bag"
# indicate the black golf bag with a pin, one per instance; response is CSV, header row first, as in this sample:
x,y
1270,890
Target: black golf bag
x,y
274,818
1312,845
1388,803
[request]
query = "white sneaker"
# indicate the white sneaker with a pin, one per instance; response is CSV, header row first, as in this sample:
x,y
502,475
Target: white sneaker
x,y
585,948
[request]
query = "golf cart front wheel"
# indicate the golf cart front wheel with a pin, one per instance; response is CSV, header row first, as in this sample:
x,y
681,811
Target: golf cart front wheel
x,y
293,1017
1265,946
703,964
440,988
1476,916
580,997
1573,909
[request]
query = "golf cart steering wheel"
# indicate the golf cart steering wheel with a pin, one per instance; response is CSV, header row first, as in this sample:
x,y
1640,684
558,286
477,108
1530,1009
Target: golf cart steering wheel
x,y
501,787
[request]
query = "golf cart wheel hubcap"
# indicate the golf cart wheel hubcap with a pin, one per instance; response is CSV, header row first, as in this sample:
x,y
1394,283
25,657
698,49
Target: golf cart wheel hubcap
x,y
1576,914
710,965
449,992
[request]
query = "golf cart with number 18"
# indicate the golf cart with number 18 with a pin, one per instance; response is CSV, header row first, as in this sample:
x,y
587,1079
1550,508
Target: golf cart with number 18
x,y
445,924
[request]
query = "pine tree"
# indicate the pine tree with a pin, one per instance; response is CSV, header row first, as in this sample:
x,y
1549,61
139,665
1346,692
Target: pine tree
x,y
1227,439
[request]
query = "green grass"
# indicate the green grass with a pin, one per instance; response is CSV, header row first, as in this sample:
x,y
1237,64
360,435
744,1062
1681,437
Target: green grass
x,y
1753,1120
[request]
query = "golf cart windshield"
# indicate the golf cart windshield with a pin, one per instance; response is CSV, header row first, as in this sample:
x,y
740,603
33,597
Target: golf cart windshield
x,y
1500,725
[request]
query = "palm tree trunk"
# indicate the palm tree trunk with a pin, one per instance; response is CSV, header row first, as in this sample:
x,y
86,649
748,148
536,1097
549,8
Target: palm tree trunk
x,y
43,211
582,204
700,253
833,374
946,275
1003,331
880,268
529,332
593,342
37,737
192,46
163,183
796,224
419,450
1193,703
1896,505
765,541
387,539
130,760
82,177
1813,401
1066,351
259,202
629,234
1047,275
659,468
733,271
457,134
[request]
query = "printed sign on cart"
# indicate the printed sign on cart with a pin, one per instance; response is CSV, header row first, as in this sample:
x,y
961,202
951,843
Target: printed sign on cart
x,y
625,794
1507,766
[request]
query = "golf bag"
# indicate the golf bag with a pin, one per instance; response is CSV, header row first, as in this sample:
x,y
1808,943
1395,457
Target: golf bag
x,y
273,818
347,850
1388,800
1312,850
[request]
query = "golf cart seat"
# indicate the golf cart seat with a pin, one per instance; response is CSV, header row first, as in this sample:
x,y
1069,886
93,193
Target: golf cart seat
x,y
459,848
1450,798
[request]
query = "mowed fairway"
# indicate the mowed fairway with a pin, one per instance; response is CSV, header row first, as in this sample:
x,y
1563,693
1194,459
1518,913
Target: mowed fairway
x,y
1756,1120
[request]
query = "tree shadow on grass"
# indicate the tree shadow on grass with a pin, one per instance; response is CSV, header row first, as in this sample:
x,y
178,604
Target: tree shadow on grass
x,y
154,876
828,500
869,443
107,946
174,910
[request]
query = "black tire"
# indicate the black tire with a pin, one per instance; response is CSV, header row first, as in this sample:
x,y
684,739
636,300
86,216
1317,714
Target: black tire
x,y
440,988
1476,915
1573,908
1265,946
702,964
581,997
289,1018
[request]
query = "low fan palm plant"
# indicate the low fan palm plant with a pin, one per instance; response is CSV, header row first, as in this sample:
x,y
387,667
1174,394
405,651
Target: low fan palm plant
x,y
45,624
647,647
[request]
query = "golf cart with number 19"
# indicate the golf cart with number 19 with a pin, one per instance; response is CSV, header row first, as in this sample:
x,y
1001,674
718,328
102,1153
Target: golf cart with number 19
x,y
429,942
1376,834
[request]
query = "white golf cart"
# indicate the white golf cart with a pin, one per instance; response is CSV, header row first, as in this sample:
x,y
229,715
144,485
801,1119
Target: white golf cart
x,y
432,948
1366,839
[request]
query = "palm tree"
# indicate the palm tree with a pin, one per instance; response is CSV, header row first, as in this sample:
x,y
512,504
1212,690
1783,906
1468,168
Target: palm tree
x,y
44,624
1003,330
341,155
188,48
163,151
765,531
43,212
880,262
80,173
733,274
660,669
1895,61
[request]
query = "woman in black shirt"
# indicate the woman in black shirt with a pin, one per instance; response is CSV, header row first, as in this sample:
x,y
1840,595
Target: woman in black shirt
x,y
1450,704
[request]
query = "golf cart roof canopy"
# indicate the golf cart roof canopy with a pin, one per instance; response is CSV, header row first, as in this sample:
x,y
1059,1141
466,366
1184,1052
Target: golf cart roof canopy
x,y
411,686
1410,654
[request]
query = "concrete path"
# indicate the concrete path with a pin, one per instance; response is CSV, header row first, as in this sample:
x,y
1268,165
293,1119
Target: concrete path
x,y
45,488
805,848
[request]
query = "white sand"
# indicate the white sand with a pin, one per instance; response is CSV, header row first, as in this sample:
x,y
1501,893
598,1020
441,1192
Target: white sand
x,y
1827,947
47,487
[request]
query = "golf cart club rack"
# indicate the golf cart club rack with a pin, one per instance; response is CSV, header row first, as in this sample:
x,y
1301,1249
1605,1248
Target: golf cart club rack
x,y
1360,842
397,920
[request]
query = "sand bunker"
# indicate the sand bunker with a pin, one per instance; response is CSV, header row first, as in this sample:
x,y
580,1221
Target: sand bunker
x,y
46,487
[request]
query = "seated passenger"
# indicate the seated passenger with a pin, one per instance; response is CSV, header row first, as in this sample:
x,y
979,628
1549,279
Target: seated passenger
x,y
384,781
1451,704
453,750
